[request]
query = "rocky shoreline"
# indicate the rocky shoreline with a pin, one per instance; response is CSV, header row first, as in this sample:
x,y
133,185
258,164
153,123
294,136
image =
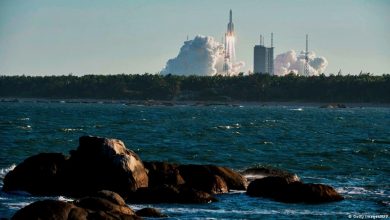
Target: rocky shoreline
x,y
169,103
106,166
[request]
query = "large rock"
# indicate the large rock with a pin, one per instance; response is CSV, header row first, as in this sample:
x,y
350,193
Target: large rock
x,y
111,196
170,194
102,204
212,179
102,163
233,179
207,178
284,190
97,164
39,174
88,208
45,210
161,173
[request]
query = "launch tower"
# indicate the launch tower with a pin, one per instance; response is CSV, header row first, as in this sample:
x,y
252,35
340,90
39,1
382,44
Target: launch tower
x,y
264,57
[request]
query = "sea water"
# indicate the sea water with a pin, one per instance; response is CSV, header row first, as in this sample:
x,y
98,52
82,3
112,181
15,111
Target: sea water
x,y
348,149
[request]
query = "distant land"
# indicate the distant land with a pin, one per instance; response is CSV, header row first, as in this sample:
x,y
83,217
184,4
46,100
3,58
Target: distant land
x,y
362,88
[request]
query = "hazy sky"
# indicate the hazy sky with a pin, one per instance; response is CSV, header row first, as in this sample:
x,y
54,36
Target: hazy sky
x,y
42,37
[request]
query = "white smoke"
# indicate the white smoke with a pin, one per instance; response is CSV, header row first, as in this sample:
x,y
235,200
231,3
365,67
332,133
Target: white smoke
x,y
290,61
200,56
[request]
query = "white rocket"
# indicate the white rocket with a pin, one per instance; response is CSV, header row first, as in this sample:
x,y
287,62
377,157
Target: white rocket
x,y
230,51
230,27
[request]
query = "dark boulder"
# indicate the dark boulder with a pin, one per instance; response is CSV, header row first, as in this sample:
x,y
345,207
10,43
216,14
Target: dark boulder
x,y
233,179
283,190
219,185
102,163
111,196
161,173
104,205
202,178
97,164
170,194
311,193
150,212
261,172
39,174
207,178
191,195
269,187
45,210
88,208
212,179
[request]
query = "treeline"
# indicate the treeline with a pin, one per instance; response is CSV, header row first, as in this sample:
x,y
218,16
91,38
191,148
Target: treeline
x,y
255,87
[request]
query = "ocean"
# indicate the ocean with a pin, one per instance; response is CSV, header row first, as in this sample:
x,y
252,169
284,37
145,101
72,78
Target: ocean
x,y
348,149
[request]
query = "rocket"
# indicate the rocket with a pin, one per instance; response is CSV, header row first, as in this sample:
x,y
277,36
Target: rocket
x,y
230,51
230,27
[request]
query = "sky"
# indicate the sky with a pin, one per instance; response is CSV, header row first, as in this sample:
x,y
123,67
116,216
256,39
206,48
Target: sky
x,y
52,37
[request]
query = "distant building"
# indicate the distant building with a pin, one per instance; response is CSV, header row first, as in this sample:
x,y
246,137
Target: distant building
x,y
263,61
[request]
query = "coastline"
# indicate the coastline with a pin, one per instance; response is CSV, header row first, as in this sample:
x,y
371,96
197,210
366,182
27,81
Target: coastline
x,y
194,102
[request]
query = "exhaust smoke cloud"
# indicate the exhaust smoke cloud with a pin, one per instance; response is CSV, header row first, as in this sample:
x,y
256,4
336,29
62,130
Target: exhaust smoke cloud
x,y
290,61
201,56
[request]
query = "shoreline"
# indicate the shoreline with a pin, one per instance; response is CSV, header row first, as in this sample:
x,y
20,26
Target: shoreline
x,y
194,102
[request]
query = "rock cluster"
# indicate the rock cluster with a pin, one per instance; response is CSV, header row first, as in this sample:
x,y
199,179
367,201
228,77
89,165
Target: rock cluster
x,y
97,164
102,205
106,164
284,190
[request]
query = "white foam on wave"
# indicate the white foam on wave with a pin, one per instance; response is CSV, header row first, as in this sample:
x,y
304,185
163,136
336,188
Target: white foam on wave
x,y
296,109
352,190
270,120
254,176
4,171
355,190
71,129
25,127
16,200
232,191
65,199
17,205
227,127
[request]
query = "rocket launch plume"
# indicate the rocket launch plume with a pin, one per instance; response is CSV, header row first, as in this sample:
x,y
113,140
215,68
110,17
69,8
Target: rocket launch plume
x,y
290,61
230,47
200,56
205,56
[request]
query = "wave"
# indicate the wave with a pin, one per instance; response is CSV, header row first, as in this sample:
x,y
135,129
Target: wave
x,y
4,171
24,119
228,127
25,127
371,141
254,176
70,129
361,191
229,213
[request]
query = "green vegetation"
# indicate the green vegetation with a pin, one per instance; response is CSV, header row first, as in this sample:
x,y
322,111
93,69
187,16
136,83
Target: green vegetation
x,y
255,87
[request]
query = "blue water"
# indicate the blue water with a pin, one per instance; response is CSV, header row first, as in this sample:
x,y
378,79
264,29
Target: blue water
x,y
346,148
